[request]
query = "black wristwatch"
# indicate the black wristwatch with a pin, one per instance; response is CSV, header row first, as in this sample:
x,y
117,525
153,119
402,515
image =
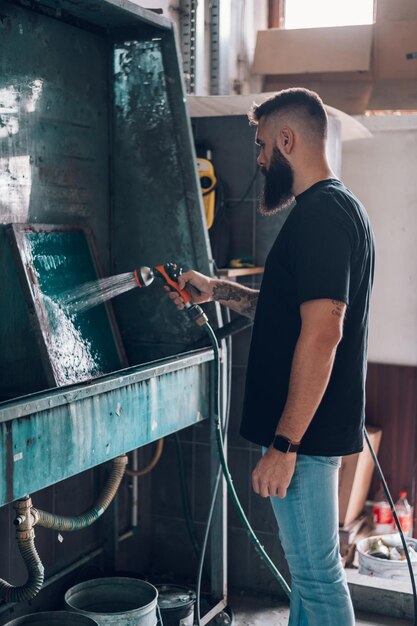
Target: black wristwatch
x,y
283,444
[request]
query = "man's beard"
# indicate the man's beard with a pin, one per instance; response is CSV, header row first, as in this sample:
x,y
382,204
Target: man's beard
x,y
277,193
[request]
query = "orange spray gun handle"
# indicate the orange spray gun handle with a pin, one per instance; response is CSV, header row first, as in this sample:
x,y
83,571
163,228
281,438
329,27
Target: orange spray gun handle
x,y
169,273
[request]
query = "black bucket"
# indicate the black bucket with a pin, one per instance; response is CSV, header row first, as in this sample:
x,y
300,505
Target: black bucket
x,y
176,605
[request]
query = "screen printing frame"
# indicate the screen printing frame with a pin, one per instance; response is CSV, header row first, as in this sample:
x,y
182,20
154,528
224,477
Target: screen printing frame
x,y
32,293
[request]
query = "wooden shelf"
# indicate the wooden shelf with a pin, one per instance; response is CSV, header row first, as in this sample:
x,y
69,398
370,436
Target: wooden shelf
x,y
233,272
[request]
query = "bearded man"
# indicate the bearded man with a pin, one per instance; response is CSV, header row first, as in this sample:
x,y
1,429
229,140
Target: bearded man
x,y
304,399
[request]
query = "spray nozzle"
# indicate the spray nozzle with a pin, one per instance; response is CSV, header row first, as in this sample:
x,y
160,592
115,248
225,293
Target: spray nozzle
x,y
169,273
144,276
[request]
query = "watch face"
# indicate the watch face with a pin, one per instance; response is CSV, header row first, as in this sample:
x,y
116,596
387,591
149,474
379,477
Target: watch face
x,y
282,443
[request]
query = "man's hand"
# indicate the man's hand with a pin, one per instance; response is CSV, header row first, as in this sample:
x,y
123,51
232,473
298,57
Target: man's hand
x,y
236,297
187,281
273,473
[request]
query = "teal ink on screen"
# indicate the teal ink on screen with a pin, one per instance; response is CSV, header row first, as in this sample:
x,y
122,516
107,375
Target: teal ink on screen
x,y
76,346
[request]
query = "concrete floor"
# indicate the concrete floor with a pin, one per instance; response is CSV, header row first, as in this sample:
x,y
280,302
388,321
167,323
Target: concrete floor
x,y
264,612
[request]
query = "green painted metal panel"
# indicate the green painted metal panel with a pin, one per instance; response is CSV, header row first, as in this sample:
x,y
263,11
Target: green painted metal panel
x,y
157,209
94,130
18,375
76,346
50,436
54,159
146,141
54,104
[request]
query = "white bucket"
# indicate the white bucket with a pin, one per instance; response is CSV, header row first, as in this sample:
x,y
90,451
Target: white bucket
x,y
385,568
116,601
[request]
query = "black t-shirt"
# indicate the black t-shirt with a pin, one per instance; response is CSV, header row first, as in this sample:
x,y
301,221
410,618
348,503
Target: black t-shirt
x,y
324,250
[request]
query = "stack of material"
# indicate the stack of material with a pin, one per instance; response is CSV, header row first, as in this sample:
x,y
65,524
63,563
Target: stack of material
x,y
354,481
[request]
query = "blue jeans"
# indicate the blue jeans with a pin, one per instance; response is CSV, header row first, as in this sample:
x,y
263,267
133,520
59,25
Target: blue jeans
x,y
308,528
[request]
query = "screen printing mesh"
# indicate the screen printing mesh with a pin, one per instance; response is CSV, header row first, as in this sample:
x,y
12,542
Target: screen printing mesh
x,y
78,346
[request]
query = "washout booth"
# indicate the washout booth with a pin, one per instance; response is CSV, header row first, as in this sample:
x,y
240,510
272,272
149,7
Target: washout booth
x,y
98,177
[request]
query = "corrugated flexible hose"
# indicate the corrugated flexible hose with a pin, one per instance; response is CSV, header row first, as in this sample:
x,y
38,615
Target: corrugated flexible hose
x,y
151,464
35,574
66,524
29,516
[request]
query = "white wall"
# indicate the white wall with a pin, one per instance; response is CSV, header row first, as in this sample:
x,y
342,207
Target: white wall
x,y
248,16
382,172
240,21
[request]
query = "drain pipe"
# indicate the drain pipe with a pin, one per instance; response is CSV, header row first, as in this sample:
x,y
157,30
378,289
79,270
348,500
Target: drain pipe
x,y
151,464
66,524
27,517
25,535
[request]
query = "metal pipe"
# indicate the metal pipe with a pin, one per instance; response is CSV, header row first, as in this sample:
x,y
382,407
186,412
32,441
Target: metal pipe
x,y
135,490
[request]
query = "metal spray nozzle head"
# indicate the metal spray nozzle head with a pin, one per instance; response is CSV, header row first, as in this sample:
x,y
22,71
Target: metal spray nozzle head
x,y
144,276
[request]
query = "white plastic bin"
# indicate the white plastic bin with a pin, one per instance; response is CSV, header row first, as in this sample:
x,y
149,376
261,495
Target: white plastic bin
x,y
373,566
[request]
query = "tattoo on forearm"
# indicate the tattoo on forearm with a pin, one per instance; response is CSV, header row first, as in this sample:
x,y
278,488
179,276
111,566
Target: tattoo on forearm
x,y
226,293
338,308
240,299
252,302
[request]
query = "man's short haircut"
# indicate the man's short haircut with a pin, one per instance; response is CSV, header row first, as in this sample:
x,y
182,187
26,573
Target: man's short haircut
x,y
307,104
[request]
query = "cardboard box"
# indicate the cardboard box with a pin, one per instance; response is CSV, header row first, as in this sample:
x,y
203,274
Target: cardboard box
x,y
353,68
314,50
394,94
396,10
336,62
355,479
350,96
393,41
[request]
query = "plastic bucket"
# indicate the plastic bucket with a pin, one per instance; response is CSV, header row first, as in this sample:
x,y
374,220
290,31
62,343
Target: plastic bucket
x,y
53,618
384,568
176,605
116,601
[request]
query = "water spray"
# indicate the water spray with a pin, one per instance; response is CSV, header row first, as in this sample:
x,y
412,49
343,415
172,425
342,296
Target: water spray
x,y
89,295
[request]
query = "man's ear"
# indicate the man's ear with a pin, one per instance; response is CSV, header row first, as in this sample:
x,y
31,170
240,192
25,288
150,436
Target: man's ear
x,y
286,139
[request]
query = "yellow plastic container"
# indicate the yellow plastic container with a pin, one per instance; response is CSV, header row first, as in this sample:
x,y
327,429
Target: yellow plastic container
x,y
208,183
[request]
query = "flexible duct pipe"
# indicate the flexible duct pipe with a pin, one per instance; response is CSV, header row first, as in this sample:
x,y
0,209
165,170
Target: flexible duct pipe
x,y
60,522
25,536
28,517
152,463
